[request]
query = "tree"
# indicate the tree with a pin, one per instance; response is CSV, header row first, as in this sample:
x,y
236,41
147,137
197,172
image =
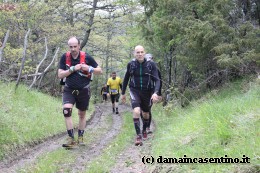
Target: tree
x,y
212,40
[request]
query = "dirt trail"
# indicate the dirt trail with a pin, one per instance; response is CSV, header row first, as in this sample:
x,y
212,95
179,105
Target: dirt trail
x,y
29,155
128,161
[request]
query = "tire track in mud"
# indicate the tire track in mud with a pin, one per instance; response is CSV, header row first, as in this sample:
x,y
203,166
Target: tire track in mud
x,y
30,154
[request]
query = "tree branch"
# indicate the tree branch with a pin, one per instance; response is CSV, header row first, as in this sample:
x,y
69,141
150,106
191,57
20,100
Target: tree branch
x,y
38,66
3,45
23,59
47,68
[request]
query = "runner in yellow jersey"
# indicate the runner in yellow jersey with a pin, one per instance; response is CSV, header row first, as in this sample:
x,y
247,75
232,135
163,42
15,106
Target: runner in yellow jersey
x,y
114,83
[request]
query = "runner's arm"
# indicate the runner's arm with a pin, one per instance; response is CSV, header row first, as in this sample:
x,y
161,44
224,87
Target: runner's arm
x,y
156,79
107,88
126,79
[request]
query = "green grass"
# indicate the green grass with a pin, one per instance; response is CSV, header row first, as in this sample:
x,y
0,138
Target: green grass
x,y
226,123
28,117
54,161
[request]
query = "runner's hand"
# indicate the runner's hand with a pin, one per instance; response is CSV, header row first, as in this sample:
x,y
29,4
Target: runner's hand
x,y
85,67
78,67
155,98
123,98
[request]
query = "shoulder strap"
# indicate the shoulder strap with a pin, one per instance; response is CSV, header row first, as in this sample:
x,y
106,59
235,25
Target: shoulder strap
x,y
82,56
149,65
68,59
132,66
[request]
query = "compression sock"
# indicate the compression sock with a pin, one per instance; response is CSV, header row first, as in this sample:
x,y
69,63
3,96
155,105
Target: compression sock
x,y
137,125
80,132
145,124
71,133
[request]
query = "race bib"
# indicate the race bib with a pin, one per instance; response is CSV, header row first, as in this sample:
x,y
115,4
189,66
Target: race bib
x,y
114,91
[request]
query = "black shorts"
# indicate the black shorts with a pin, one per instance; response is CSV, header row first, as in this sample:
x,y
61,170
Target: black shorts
x,y
114,97
141,99
80,97
104,97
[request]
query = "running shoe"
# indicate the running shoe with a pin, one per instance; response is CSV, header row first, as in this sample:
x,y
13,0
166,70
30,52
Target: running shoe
x,y
138,140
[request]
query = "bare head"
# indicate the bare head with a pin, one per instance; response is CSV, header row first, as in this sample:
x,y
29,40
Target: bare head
x,y
113,75
139,53
74,45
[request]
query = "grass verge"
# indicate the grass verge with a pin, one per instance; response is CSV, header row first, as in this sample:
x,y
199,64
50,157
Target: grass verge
x,y
28,117
225,122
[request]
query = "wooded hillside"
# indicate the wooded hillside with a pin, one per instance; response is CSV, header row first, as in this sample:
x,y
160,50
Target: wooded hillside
x,y
197,44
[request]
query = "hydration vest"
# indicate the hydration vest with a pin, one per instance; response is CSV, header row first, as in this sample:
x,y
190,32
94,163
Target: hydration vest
x,y
82,60
147,72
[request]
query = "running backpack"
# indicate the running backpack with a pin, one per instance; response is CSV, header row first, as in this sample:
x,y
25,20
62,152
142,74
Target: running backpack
x,y
82,60
133,66
147,71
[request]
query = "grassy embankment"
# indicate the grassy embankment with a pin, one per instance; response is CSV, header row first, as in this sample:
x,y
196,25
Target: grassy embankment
x,y
28,117
223,122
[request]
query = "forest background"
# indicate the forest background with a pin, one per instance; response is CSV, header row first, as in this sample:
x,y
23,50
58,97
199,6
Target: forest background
x,y
198,44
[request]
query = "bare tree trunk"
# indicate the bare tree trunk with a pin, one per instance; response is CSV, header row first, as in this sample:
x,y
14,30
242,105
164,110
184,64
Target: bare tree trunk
x,y
90,23
54,82
23,58
169,57
258,11
70,11
47,68
109,36
38,66
3,45
175,70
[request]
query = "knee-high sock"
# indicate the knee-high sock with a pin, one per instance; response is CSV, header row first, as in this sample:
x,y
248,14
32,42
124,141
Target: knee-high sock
x,y
71,133
80,132
145,124
137,125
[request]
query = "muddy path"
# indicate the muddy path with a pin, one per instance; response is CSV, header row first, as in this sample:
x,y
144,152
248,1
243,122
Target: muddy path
x,y
29,155
127,161
130,160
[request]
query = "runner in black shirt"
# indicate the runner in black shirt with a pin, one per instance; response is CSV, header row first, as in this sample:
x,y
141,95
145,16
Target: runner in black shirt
x,y
144,87
76,67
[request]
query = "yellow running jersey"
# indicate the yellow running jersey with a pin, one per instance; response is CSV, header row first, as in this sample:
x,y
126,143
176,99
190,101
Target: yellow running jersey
x,y
114,85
